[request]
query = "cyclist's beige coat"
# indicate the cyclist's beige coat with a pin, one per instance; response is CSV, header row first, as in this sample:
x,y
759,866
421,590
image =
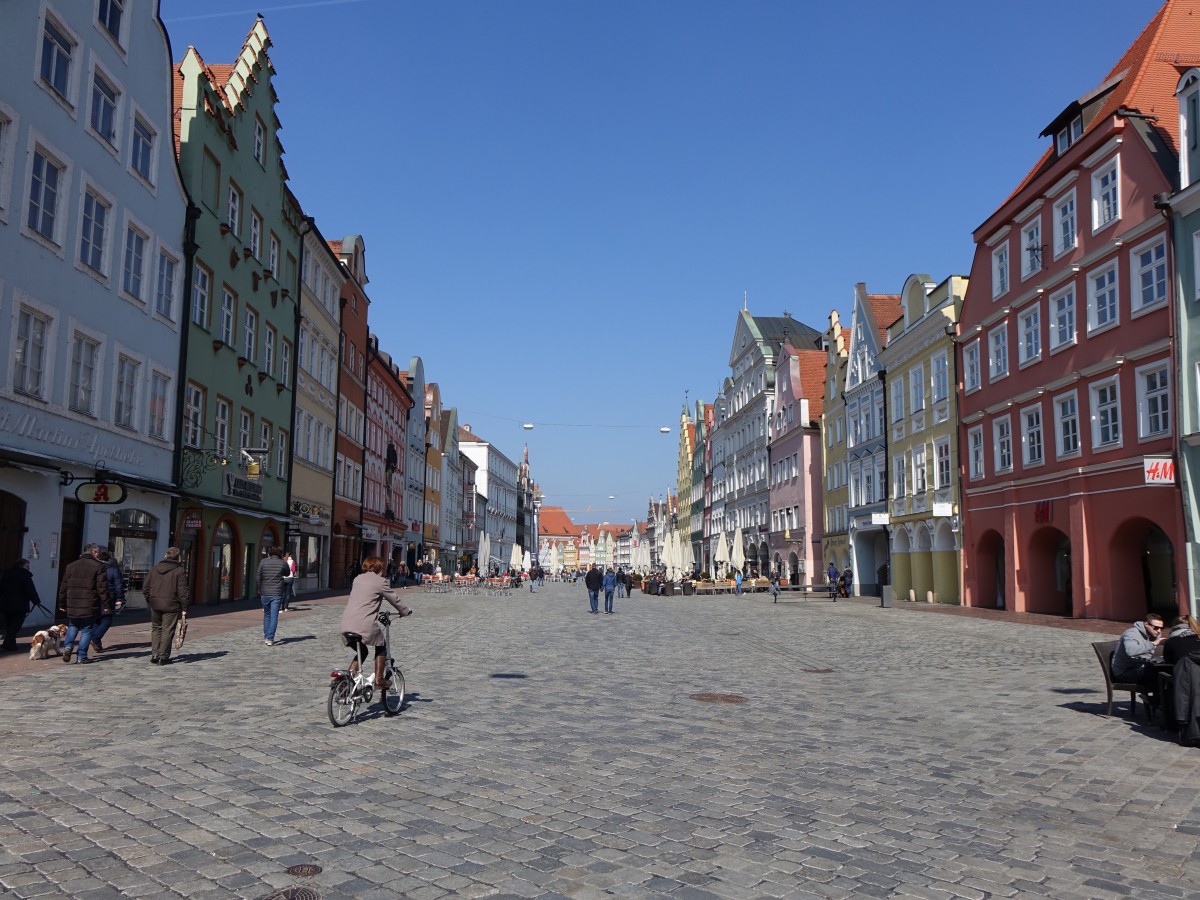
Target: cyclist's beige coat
x,y
367,594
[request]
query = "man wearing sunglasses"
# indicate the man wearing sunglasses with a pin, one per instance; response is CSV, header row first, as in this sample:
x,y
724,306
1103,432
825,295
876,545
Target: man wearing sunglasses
x,y
1131,659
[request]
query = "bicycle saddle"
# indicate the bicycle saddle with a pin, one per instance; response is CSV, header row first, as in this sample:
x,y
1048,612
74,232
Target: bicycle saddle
x,y
351,636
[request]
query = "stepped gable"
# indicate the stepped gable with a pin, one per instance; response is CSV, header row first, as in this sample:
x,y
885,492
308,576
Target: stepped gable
x,y
886,310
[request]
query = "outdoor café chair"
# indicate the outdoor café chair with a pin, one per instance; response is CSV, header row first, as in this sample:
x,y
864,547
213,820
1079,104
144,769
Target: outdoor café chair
x,y
1104,651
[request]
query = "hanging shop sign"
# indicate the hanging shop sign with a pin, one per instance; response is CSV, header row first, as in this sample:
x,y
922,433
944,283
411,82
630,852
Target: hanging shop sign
x,y
100,492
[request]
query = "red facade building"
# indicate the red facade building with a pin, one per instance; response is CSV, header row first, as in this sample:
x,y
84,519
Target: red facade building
x,y
1065,359
388,404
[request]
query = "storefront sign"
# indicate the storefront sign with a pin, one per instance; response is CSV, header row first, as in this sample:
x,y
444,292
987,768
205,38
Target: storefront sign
x,y
943,509
293,533
100,492
242,488
880,519
193,522
370,533
1158,469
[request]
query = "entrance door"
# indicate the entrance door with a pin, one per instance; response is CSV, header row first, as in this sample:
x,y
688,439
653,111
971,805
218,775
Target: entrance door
x,y
70,536
220,585
12,528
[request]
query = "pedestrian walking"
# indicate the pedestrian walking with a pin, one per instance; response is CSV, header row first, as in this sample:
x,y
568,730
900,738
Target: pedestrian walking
x,y
269,579
533,577
610,585
593,581
737,582
82,598
116,597
847,581
622,581
18,596
168,595
774,587
289,582
834,577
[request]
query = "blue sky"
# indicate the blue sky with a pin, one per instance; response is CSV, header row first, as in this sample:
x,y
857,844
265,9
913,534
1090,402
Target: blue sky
x,y
565,202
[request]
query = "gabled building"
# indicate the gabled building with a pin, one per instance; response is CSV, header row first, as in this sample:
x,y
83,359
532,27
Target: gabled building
x,y
835,541
922,440
314,462
414,472
432,532
1069,503
496,477
244,297
866,438
794,451
387,413
454,555
683,486
93,260
346,550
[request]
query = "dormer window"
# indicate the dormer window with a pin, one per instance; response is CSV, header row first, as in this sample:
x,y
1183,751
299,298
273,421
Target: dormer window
x,y
1069,135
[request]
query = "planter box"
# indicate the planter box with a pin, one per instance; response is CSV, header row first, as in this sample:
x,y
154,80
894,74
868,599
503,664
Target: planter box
x,y
688,588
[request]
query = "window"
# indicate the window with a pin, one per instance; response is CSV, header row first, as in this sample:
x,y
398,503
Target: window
x,y
1102,298
998,361
164,284
210,181
898,399
975,448
1066,414
104,108
245,429
110,17
91,238
256,226
1030,324
44,188
1002,444
273,259
941,378
260,140
29,369
1154,400
1150,274
1106,414
1069,135
916,383
1032,451
84,353
1064,224
285,363
127,376
160,385
201,280
221,426
228,306
942,470
233,212
264,440
1106,195
971,372
193,415
135,262
269,350
1000,270
281,454
1031,247
250,335
142,154
1062,323
56,58
920,482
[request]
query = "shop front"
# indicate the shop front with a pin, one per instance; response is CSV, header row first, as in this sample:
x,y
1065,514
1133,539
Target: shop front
x,y
309,536
220,549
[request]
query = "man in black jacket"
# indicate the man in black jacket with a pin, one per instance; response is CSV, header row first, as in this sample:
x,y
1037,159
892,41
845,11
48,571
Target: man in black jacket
x,y
17,597
592,581
83,597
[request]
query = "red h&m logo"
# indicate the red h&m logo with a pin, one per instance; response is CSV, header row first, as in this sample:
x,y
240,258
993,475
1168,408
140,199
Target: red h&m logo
x,y
1043,511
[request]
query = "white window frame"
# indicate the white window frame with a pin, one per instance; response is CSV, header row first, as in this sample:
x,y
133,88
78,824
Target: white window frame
x,y
126,390
1062,450
150,176
998,352
1064,323
1065,211
170,297
121,35
1106,195
1002,444
1105,398
9,126
1111,274
972,371
1031,259
1001,271
56,240
920,469
1033,436
916,388
1029,324
45,357
1139,269
135,228
222,423
900,481
67,91
898,399
195,400
111,103
1156,404
250,333
88,189
256,229
977,466
233,208
260,142
159,427
943,468
75,388
201,294
940,363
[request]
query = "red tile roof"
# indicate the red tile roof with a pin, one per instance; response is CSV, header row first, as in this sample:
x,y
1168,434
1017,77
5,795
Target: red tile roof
x,y
886,309
336,247
812,380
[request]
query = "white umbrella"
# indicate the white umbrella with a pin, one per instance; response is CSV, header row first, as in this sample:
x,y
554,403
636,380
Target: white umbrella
x,y
485,550
721,552
514,560
526,562
553,564
737,558
673,556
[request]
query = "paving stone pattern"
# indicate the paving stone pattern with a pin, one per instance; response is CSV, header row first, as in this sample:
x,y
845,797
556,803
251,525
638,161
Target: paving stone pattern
x,y
547,752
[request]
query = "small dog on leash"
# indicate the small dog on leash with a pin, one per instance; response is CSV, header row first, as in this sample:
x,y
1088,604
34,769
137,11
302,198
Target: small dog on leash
x,y
47,641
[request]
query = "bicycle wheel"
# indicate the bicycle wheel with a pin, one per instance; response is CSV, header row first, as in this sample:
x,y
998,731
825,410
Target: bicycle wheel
x,y
393,697
341,702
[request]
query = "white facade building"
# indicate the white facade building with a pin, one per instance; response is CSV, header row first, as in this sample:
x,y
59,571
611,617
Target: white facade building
x,y
414,470
495,479
92,219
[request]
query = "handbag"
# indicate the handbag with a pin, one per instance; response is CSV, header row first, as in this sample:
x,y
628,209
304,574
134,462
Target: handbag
x,y
180,631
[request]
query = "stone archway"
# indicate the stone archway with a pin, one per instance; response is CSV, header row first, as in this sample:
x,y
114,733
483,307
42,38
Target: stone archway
x,y
989,571
902,563
1141,561
945,563
12,529
1049,587
922,562
795,576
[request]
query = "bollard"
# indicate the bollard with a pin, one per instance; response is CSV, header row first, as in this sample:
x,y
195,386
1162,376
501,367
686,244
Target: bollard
x,y
885,599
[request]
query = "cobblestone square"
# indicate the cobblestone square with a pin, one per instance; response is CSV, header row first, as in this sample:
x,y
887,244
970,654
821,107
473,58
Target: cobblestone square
x,y
546,752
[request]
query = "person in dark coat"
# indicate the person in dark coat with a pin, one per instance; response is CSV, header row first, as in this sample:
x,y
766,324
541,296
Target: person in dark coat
x,y
17,597
83,598
271,572
116,599
168,596
359,618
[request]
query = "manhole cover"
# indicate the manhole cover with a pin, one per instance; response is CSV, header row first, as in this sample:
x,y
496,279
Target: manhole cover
x,y
718,698
293,893
305,870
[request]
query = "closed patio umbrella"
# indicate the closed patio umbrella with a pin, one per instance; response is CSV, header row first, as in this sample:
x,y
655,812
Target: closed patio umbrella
x,y
737,557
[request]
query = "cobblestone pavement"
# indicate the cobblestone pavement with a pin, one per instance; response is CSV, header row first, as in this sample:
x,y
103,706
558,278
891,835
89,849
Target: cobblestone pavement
x,y
547,752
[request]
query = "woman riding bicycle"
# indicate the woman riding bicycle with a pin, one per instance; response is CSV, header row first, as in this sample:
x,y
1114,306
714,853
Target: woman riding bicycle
x,y
359,627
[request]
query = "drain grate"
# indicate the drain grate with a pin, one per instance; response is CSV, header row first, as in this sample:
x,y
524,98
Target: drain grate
x,y
305,870
293,893
718,698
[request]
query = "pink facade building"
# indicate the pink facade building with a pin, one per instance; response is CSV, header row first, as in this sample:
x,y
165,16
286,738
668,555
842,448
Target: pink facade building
x,y
1065,359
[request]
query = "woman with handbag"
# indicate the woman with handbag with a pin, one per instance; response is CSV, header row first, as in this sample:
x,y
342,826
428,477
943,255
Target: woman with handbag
x,y
166,590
